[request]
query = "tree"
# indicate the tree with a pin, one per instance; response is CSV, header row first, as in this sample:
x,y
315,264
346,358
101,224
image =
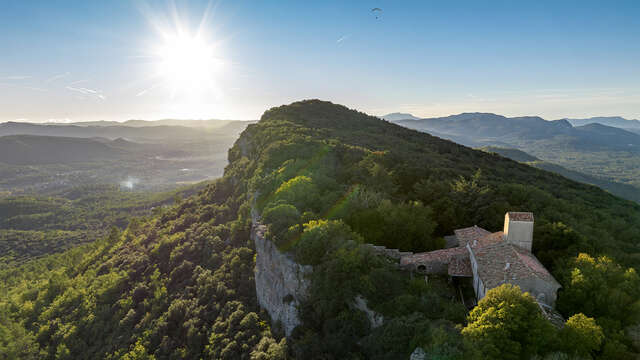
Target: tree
x,y
581,335
299,191
321,238
279,218
599,287
507,324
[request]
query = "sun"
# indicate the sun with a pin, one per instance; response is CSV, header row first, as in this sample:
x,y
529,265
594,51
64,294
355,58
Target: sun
x,y
182,62
187,64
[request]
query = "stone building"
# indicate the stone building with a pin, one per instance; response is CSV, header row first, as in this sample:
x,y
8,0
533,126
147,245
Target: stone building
x,y
491,259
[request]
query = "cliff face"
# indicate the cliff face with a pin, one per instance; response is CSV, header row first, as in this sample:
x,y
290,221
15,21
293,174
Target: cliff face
x,y
280,281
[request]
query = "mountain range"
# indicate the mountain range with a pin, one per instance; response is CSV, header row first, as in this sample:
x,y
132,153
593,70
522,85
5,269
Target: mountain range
x,y
616,121
604,155
476,129
136,129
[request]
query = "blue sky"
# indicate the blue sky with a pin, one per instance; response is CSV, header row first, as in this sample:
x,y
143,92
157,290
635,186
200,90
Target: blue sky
x,y
91,60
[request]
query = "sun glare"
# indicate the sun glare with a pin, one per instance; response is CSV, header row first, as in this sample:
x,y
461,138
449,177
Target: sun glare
x,y
187,64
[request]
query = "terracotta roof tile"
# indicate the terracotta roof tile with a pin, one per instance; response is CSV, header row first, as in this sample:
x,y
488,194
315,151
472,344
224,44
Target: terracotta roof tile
x,y
520,216
468,235
503,260
442,255
460,266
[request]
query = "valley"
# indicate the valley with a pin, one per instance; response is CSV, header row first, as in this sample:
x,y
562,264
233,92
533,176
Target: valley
x,y
43,159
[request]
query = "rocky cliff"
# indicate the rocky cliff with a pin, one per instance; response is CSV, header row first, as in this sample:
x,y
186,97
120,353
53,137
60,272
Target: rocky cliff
x,y
280,281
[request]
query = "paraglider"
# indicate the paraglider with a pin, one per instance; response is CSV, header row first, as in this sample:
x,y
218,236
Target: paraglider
x,y
376,12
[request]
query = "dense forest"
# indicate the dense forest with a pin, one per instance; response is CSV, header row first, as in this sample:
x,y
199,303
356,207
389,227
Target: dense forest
x,y
179,283
34,226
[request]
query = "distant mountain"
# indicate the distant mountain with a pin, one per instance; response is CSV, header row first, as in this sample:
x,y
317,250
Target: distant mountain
x,y
608,154
616,121
474,129
150,131
399,116
164,122
30,149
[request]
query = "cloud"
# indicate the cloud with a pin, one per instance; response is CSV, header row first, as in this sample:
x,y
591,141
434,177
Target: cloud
x,y
86,91
342,38
145,91
57,77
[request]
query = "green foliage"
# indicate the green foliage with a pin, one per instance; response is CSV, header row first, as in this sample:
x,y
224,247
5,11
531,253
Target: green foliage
x,y
581,335
300,192
179,283
166,287
600,288
321,239
507,324
32,227
280,218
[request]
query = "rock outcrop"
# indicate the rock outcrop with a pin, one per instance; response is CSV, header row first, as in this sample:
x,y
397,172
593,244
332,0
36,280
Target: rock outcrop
x,y
280,281
375,319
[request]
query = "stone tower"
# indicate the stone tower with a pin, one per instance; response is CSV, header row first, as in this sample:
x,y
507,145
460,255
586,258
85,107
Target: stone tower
x,y
518,229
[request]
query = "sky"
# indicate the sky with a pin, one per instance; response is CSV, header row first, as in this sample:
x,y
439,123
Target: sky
x,y
116,60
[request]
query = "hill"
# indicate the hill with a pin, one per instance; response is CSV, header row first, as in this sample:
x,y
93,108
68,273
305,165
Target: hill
x,y
596,150
513,154
399,116
619,189
28,149
147,131
486,127
164,122
324,179
615,121
156,157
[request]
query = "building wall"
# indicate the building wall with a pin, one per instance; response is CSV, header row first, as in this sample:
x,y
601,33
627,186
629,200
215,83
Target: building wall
x,y
519,233
543,291
478,285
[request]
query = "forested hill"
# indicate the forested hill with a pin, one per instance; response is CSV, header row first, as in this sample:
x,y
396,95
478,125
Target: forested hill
x,y
180,284
30,149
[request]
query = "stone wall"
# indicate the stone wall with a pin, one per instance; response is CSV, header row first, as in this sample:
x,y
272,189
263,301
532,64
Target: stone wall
x,y
280,281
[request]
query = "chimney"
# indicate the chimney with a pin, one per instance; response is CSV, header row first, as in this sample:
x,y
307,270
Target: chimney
x,y
518,229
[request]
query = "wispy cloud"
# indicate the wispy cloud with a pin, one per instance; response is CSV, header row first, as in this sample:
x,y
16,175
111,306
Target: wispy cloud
x,y
342,38
86,91
57,77
145,91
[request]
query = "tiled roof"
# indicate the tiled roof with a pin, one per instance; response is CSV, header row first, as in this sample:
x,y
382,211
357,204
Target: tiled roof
x,y
460,266
468,235
520,216
442,255
490,239
493,269
450,241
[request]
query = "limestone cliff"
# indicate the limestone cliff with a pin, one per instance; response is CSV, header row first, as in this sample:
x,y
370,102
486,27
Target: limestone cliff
x,y
280,281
